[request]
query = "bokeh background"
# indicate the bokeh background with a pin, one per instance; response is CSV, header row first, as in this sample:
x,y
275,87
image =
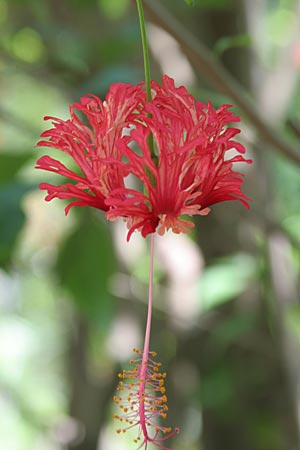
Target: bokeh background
x,y
73,292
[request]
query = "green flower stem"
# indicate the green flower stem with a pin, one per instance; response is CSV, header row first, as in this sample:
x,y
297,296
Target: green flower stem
x,y
146,66
145,48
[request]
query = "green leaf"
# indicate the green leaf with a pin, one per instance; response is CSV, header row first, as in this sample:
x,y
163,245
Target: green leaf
x,y
85,265
114,9
293,319
211,4
10,164
228,42
225,280
12,218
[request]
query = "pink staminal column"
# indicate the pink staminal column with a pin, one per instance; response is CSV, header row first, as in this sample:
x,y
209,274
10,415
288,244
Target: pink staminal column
x,y
142,398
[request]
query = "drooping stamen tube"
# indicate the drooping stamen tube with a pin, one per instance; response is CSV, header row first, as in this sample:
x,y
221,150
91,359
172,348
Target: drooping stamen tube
x,y
143,399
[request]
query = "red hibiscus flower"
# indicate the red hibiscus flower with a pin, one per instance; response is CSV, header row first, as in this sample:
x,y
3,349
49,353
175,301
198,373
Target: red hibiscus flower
x,y
187,171
191,170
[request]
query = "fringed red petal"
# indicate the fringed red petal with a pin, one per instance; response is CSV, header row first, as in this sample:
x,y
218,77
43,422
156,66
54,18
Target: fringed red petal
x,y
191,169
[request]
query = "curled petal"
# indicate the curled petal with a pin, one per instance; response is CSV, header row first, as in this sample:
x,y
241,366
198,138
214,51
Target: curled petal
x,y
91,144
71,191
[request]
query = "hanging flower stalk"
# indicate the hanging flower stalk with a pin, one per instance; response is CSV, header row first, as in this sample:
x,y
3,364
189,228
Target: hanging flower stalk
x,y
183,167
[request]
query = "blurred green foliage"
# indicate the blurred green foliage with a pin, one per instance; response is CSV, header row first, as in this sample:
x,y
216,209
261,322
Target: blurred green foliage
x,y
12,217
234,274
85,264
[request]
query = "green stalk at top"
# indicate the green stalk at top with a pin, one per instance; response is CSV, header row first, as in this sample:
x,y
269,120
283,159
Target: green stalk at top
x,y
146,66
145,48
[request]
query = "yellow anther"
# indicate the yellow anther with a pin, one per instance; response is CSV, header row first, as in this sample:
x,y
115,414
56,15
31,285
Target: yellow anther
x,y
162,390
